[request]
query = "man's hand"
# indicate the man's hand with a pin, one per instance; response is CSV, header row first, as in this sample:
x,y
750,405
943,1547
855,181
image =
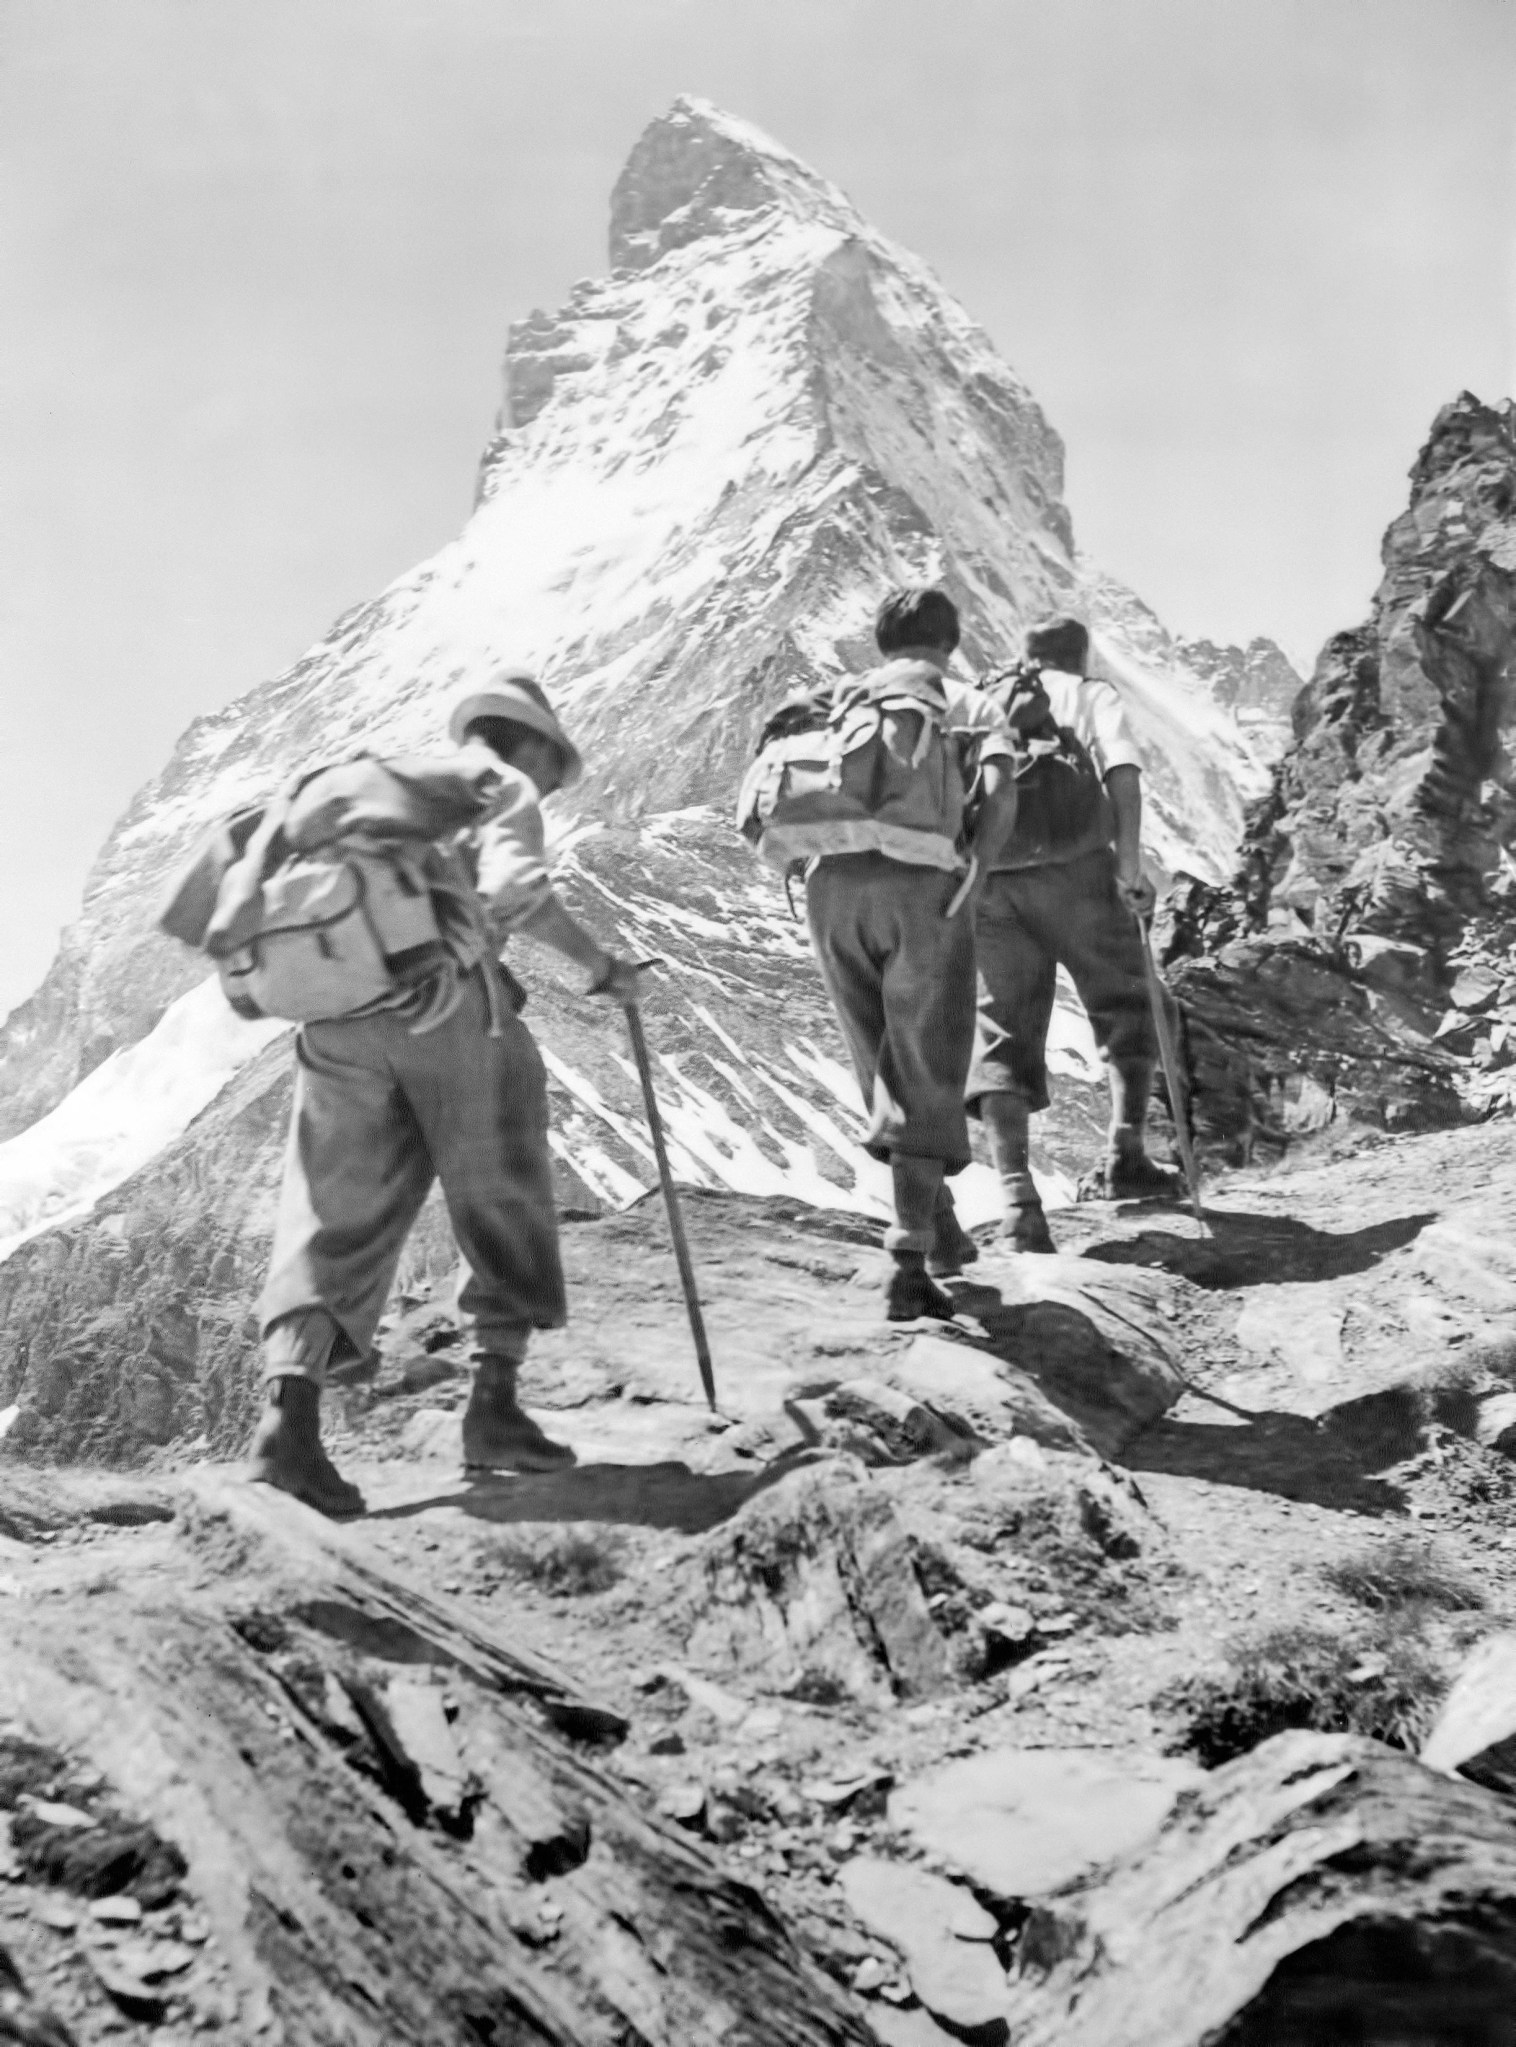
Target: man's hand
x,y
618,981
1135,890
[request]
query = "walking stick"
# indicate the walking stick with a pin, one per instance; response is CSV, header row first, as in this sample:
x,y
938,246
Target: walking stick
x,y
671,1203
1169,1058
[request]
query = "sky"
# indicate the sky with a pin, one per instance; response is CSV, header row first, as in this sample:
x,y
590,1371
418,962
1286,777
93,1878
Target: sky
x,y
260,257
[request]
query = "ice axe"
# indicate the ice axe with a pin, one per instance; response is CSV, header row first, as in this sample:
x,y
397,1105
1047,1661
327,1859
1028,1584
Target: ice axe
x,y
1168,1056
671,1199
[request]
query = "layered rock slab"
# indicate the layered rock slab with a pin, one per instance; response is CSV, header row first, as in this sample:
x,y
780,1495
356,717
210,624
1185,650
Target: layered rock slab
x,y
1320,1882
389,1818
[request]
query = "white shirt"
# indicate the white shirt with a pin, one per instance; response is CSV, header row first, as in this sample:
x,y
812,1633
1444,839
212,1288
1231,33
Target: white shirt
x,y
1093,711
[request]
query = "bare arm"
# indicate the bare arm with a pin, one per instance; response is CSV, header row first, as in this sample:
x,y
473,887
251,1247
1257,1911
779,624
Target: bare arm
x,y
551,924
1124,786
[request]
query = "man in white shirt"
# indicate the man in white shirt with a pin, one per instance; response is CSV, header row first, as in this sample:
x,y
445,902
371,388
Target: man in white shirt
x,y
1066,890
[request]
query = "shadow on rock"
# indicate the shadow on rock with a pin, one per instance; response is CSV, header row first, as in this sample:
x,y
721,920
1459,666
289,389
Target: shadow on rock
x,y
1263,1250
1329,1460
633,1495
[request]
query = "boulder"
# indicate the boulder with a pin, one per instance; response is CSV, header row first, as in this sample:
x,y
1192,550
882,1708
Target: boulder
x,y
942,1934
1475,1733
1022,1822
1095,1340
884,1425
1495,1426
812,1582
979,1395
1321,1888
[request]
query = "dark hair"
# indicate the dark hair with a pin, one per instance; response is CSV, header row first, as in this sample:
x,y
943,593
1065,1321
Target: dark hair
x,y
917,616
501,735
1059,643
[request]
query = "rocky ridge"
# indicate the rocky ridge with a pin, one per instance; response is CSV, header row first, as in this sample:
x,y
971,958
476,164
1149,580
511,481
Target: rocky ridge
x,y
1358,967
1058,1674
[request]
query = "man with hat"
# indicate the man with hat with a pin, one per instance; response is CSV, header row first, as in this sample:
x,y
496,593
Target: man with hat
x,y
1067,889
440,1080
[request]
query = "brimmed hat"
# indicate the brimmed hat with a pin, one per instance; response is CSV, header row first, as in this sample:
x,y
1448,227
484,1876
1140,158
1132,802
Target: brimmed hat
x,y
517,695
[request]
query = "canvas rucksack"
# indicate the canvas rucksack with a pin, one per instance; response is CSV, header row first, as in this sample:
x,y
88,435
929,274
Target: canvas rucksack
x,y
323,904
872,765
1061,805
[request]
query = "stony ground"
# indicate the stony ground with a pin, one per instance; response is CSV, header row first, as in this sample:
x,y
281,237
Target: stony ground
x,y
1080,1572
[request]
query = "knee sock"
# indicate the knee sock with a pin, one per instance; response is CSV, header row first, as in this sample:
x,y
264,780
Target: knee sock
x,y
1008,1121
917,1184
1131,1085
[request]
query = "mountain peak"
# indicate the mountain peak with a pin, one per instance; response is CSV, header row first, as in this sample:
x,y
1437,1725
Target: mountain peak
x,y
694,170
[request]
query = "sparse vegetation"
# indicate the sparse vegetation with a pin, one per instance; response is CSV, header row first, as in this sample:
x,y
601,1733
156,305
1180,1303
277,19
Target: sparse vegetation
x,y
1383,1685
564,1563
1402,1577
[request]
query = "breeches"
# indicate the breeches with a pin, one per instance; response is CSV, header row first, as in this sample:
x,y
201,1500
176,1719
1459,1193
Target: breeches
x,y
379,1114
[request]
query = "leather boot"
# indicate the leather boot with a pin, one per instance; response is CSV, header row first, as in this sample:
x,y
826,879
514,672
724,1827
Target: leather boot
x,y
286,1451
910,1293
1008,1121
498,1435
1126,1173
952,1246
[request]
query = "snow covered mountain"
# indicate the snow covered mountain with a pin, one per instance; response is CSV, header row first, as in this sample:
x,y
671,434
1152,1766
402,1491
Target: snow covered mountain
x,y
708,467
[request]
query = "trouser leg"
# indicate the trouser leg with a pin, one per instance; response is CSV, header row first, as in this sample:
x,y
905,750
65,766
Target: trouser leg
x,y
917,1185
1007,1119
356,1173
481,1104
300,1345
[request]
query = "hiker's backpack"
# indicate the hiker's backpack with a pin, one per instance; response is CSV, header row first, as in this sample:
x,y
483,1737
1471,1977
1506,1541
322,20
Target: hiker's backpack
x,y
323,904
871,765
1061,805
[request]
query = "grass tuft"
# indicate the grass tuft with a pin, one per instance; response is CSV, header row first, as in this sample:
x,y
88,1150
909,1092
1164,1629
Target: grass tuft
x,y
1382,1685
566,1563
1400,1578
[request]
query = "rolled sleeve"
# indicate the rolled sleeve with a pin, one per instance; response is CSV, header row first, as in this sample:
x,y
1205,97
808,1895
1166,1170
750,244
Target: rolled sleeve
x,y
511,870
1110,743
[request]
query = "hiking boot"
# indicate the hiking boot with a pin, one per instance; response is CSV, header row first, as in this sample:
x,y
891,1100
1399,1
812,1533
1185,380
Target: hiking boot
x,y
952,1246
286,1452
911,1294
498,1435
1130,1177
1025,1228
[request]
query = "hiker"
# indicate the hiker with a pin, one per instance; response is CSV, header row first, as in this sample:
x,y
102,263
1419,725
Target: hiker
x,y
437,1079
867,784
1067,889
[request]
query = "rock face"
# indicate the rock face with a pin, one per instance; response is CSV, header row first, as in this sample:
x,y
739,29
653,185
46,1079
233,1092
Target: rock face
x,y
1358,968
1320,1888
1256,682
341,1811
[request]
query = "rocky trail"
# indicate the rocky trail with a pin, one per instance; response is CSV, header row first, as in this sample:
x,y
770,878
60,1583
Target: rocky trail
x,y
1055,1675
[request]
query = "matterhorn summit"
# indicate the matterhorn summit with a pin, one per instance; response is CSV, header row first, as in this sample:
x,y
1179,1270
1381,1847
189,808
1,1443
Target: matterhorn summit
x,y
708,467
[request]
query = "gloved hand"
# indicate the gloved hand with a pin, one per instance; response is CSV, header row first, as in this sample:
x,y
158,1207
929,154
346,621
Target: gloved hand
x,y
619,981
1137,892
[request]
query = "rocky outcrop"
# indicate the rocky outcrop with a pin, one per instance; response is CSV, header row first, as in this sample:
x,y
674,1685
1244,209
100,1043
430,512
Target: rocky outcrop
x,y
1321,1887
1358,969
277,1792
1256,683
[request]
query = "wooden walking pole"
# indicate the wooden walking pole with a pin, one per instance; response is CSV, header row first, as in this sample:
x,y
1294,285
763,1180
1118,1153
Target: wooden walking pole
x,y
1168,1056
671,1203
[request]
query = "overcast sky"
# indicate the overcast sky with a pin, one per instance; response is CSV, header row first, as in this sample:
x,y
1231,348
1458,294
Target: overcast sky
x,y
259,259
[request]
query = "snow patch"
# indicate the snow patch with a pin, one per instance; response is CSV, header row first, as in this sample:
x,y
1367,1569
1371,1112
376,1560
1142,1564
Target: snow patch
x,y
124,1113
